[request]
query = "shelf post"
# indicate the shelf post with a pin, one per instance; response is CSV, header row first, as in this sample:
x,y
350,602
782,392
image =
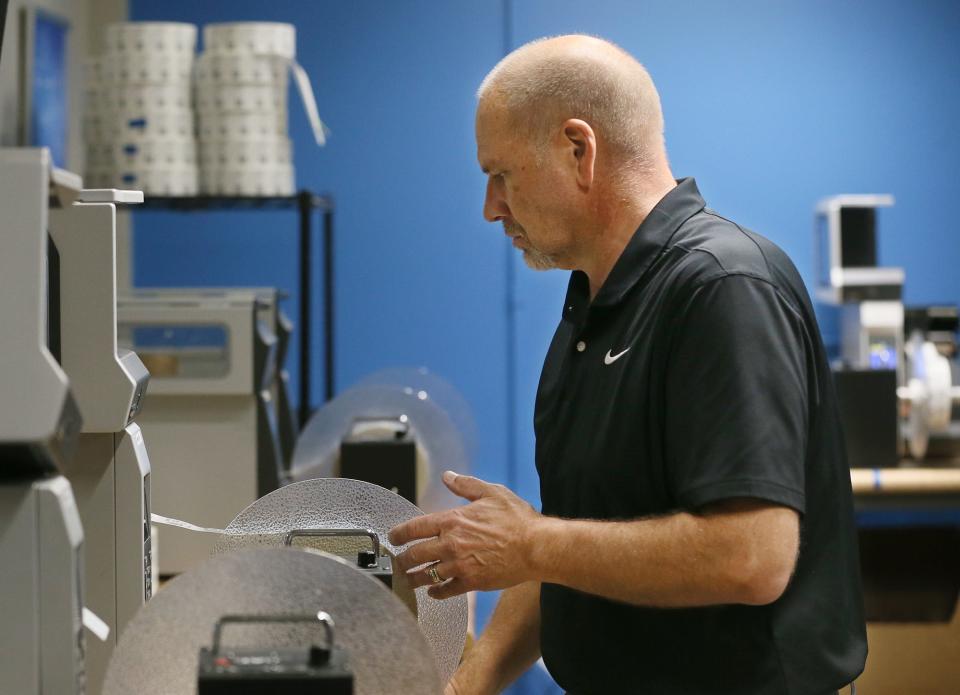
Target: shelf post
x,y
305,208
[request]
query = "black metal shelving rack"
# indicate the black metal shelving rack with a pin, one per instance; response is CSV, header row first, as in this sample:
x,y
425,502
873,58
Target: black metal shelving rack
x,y
305,203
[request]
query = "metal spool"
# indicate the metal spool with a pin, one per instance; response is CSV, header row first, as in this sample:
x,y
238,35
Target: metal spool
x,y
339,503
158,653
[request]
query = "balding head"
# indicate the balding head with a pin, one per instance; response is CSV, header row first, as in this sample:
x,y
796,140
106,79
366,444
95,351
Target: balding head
x,y
547,81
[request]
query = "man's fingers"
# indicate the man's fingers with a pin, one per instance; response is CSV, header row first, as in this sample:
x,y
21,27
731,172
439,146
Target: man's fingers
x,y
454,587
426,526
466,486
418,554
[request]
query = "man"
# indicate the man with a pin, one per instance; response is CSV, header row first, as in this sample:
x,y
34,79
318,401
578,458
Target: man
x,y
697,532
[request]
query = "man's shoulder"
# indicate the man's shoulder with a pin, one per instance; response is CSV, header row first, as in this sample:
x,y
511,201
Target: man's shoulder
x,y
713,246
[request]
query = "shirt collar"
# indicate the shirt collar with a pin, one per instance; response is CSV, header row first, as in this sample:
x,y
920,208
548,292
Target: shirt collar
x,y
675,208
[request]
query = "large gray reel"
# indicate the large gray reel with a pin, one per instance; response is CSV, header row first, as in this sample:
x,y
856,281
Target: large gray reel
x,y
387,653
338,503
436,414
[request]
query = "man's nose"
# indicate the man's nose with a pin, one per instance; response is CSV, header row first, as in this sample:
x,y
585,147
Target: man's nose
x,y
494,206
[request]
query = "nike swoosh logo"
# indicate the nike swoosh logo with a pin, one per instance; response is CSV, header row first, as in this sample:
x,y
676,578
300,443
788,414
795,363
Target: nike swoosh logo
x,y
610,359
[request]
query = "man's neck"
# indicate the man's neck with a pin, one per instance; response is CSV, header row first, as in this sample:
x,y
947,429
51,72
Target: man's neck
x,y
624,215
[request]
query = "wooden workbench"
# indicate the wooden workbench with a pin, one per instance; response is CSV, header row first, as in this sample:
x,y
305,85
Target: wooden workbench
x,y
905,481
910,657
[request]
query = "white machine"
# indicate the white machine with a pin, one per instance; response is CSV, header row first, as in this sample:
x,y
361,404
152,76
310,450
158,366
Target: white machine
x,y
849,277
271,315
42,641
881,371
110,472
210,415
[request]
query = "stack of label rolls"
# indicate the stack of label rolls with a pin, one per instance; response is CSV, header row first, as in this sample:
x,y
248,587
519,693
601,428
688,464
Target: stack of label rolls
x,y
241,104
138,122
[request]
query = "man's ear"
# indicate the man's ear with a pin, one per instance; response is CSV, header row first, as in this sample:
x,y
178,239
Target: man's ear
x,y
579,137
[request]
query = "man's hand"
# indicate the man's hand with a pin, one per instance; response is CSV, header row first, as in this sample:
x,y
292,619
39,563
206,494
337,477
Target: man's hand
x,y
481,546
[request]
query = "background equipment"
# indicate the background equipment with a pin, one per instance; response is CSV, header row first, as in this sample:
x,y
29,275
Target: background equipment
x,y
398,428
211,413
894,368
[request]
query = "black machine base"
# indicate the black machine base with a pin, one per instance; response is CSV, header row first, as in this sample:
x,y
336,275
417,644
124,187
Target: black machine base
x,y
306,671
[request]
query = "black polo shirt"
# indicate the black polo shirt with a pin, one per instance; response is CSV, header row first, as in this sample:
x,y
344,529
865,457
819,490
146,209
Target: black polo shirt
x,y
698,374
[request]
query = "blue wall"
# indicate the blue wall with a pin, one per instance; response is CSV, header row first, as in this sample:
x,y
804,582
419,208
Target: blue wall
x,y
771,105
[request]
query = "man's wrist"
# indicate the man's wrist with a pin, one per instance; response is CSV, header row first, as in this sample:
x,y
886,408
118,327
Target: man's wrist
x,y
540,540
479,672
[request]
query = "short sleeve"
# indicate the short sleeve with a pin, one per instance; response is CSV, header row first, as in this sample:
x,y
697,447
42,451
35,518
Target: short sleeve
x,y
736,396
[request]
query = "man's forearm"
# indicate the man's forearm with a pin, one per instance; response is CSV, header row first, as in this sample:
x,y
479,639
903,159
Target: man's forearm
x,y
672,561
509,644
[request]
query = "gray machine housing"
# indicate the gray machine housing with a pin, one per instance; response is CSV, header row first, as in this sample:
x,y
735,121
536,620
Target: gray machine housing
x,y
110,472
42,641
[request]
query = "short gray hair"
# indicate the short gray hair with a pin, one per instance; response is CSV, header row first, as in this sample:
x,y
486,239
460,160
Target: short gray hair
x,y
541,87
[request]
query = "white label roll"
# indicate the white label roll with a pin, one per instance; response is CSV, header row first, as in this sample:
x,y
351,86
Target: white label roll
x,y
250,181
147,68
148,154
150,181
134,126
272,38
217,68
143,98
215,125
154,37
242,99
93,71
239,154
158,181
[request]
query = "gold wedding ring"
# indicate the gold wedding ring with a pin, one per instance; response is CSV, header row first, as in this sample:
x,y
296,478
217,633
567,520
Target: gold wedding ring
x,y
434,575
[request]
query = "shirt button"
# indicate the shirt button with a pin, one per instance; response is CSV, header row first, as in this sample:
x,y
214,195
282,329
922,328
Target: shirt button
x,y
581,346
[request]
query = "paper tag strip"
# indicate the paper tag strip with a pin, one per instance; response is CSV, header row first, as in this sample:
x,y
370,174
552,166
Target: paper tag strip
x,y
92,622
302,80
167,521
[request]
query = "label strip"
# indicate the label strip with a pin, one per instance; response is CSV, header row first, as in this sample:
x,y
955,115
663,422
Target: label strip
x,y
302,80
95,624
169,521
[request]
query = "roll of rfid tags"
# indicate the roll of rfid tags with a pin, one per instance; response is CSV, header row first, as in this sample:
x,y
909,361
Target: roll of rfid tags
x,y
251,38
241,85
158,180
248,181
153,38
241,126
138,122
109,126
